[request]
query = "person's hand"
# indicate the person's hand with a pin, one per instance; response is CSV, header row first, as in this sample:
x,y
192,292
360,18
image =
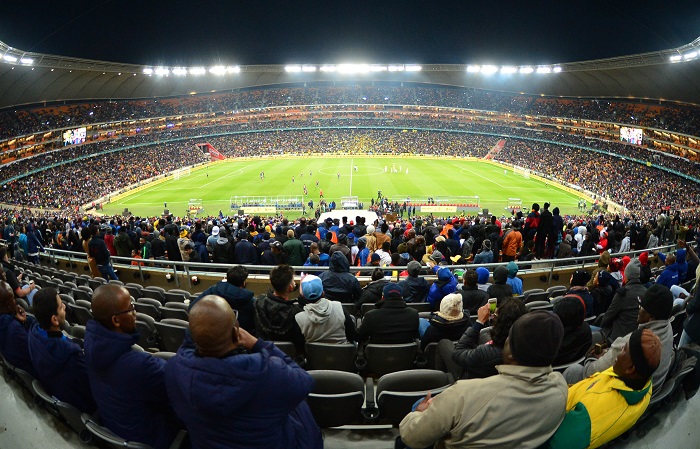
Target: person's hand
x,y
424,404
430,263
21,315
245,339
681,243
483,313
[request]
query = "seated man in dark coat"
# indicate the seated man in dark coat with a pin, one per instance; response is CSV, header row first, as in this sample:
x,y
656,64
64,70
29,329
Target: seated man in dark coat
x,y
338,283
274,311
236,295
472,296
499,289
128,386
14,325
392,322
415,288
59,363
235,391
577,339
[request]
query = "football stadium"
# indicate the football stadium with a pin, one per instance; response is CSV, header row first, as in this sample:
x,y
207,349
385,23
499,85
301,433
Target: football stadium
x,y
350,254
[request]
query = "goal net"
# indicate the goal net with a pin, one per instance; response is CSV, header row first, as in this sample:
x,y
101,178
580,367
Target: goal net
x,y
194,206
177,174
514,204
349,202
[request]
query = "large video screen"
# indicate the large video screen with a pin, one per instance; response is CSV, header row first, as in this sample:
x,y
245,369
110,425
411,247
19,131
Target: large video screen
x,y
631,135
74,136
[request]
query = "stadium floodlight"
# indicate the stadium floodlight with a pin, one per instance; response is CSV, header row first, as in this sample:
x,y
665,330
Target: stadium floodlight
x,y
544,69
234,69
353,68
180,71
148,71
218,70
413,68
308,68
690,55
473,68
26,60
9,58
676,58
292,68
198,71
162,71
508,69
396,68
489,69
526,69
556,69
378,68
328,68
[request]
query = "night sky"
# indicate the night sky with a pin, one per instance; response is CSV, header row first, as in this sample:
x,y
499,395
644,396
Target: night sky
x,y
174,33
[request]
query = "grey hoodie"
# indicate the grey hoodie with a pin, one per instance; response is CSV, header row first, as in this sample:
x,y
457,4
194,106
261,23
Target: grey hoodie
x,y
322,321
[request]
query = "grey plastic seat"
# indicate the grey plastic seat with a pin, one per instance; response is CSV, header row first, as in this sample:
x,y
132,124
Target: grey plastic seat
x,y
537,297
562,368
174,312
64,411
134,289
349,308
81,311
527,293
287,347
95,283
153,293
384,359
557,290
104,435
83,292
485,335
172,333
397,392
149,306
176,295
337,398
538,305
420,306
331,356
148,334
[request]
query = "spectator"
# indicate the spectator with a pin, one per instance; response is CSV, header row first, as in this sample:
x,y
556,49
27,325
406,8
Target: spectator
x,y
500,289
128,386
483,275
445,284
670,275
477,411
323,321
338,283
449,322
14,328
415,288
577,338
27,290
295,250
621,317
577,287
472,297
98,250
234,292
122,243
240,391
485,255
372,292
512,241
275,311
392,322
58,362
516,284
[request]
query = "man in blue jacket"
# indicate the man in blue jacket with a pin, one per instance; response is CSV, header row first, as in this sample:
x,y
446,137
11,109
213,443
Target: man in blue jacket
x,y
14,323
59,363
128,386
669,276
235,391
236,295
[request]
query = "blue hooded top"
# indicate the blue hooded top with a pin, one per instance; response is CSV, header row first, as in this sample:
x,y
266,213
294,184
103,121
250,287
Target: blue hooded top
x,y
445,284
243,400
60,367
128,387
13,342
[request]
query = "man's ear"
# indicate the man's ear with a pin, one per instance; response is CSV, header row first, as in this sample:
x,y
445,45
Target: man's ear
x,y
234,335
54,320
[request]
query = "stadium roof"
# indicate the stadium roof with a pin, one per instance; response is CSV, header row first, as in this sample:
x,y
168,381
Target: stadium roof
x,y
31,78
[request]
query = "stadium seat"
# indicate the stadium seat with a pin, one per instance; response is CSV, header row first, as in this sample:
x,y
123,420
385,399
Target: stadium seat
x,y
364,308
538,305
350,308
420,306
23,302
77,331
66,298
428,356
562,368
154,293
134,289
148,335
380,359
177,295
485,335
104,435
64,411
287,347
94,283
536,296
336,398
397,392
21,376
174,312
81,311
557,290
172,333
83,292
331,356
165,355
149,306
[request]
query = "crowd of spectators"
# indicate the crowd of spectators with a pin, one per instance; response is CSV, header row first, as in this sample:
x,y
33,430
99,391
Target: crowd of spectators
x,y
17,122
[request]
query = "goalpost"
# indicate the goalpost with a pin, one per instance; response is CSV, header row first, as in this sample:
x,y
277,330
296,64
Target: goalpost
x,y
515,204
349,202
177,174
194,206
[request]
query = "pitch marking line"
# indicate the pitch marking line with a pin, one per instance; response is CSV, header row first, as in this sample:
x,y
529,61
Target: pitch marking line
x,y
479,175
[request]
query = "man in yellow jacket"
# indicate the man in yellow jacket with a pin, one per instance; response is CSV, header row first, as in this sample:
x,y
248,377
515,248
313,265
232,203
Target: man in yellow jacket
x,y
607,404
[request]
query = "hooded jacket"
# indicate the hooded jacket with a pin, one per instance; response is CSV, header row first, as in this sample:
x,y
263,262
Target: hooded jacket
x,y
681,264
621,317
500,289
392,323
516,284
243,400
128,387
445,284
323,321
238,298
372,292
669,276
603,262
338,283
599,409
13,341
60,367
274,319
415,289
33,241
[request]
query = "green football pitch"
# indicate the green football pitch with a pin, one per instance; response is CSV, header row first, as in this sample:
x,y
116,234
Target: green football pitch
x,y
417,178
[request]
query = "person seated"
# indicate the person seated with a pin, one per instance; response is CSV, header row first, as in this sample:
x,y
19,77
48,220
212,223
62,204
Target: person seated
x,y
482,412
323,321
472,360
603,291
483,275
602,407
275,311
372,292
472,296
233,390
449,322
338,283
516,284
654,313
500,289
14,330
415,288
236,295
445,284
25,290
392,322
669,276
58,362
577,333
621,317
577,287
128,386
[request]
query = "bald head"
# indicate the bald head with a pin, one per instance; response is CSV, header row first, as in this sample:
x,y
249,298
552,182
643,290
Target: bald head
x,y
108,300
213,326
